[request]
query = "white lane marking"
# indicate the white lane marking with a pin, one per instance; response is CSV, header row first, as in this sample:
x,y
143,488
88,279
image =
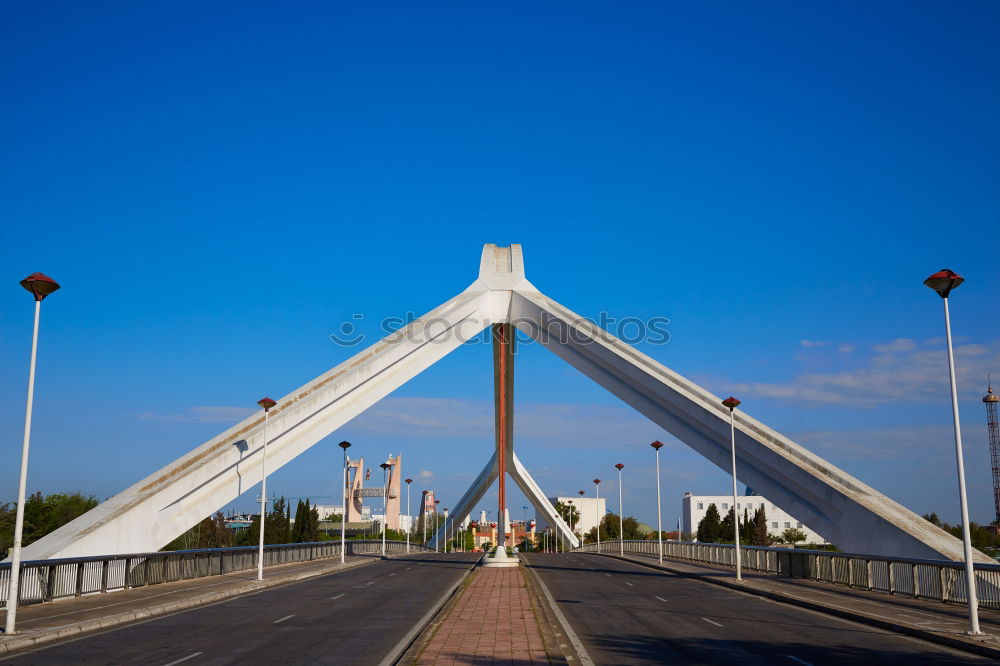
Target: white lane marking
x,y
608,575
711,622
336,597
799,661
177,661
392,574
662,599
287,617
371,583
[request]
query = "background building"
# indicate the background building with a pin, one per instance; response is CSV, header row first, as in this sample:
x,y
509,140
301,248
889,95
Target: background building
x,y
590,510
695,506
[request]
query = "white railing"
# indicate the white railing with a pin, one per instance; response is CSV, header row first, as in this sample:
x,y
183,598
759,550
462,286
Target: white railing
x,y
46,580
942,580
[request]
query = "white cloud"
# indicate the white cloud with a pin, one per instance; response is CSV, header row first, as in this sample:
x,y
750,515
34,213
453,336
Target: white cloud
x,y
845,347
897,345
426,474
901,371
205,414
814,343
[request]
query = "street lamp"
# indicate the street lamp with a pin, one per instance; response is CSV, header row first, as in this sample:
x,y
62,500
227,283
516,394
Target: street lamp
x,y
597,510
267,404
659,519
732,403
408,482
436,544
343,496
385,500
40,286
446,529
943,282
570,512
621,513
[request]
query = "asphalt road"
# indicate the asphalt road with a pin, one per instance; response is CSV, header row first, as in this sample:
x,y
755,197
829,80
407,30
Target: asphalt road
x,y
352,617
625,613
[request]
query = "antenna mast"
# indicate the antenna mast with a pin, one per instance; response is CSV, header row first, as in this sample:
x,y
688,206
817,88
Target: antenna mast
x,y
991,400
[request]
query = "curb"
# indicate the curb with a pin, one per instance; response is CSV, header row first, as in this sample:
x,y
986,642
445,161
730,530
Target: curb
x,y
403,646
18,643
959,643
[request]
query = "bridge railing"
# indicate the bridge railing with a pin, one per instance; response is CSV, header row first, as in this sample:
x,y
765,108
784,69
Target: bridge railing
x,y
942,580
47,580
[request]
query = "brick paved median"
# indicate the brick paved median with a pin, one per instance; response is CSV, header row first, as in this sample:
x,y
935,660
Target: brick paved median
x,y
492,622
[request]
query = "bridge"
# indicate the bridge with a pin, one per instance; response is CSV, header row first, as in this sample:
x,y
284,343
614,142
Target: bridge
x,y
336,601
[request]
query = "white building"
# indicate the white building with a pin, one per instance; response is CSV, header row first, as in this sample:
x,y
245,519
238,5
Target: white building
x,y
695,506
590,510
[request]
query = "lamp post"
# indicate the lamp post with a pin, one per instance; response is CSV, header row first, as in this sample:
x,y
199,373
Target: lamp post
x,y
597,510
436,544
385,500
446,529
943,282
621,513
267,404
659,518
343,496
570,512
408,482
40,286
731,404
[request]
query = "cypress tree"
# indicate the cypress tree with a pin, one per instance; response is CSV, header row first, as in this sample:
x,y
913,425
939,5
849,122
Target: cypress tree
x,y
710,526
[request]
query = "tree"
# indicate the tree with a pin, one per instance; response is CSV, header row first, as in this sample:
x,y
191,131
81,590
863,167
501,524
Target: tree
x,y
569,513
793,535
760,535
710,527
42,515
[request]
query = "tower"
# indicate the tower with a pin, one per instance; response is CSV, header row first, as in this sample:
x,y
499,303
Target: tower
x,y
993,429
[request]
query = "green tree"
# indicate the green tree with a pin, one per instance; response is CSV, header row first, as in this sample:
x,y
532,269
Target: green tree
x,y
760,535
710,527
793,535
42,515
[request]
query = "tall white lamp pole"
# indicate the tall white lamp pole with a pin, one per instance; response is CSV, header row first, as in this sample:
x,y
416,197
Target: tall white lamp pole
x,y
659,518
621,512
385,500
943,282
410,528
267,404
732,403
597,510
446,530
40,286
344,496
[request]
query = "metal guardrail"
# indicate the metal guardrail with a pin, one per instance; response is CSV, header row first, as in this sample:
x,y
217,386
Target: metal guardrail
x,y
47,580
942,580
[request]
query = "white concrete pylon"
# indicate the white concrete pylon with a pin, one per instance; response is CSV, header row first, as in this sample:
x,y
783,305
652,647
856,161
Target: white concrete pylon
x,y
162,506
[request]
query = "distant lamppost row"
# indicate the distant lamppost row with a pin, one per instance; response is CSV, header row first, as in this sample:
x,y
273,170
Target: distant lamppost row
x,y
343,496
267,404
621,512
410,515
659,518
385,501
40,286
597,510
943,282
731,404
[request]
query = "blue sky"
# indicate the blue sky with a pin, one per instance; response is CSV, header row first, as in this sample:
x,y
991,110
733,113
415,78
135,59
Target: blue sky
x,y
219,187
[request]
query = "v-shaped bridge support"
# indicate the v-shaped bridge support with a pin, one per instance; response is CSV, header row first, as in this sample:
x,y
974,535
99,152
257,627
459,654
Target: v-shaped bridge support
x,y
157,509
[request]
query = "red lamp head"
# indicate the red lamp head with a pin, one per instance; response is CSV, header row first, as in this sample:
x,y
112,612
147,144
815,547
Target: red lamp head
x,y
408,481
657,444
266,403
944,281
619,467
40,285
344,445
597,481
582,493
730,403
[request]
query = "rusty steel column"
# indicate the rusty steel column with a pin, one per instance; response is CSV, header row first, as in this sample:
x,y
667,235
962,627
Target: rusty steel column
x,y
503,392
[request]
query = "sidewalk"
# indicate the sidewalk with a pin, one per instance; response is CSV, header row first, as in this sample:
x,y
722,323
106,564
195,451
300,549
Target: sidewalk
x,y
492,621
43,623
931,620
